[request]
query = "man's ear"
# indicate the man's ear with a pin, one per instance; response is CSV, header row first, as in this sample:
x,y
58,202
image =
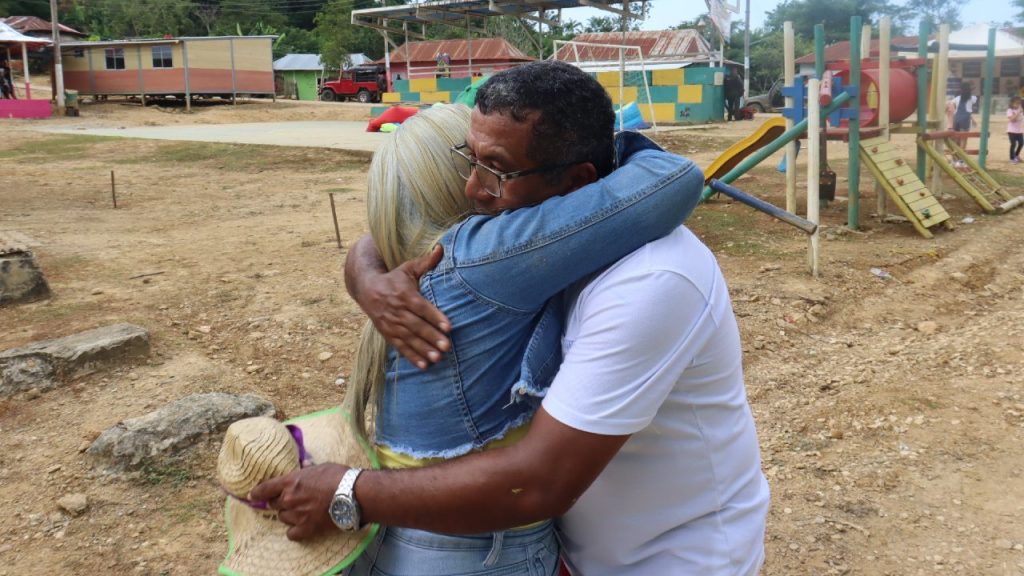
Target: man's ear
x,y
579,175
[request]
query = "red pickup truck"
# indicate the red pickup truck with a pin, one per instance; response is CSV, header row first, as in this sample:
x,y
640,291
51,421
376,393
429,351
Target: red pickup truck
x,y
362,83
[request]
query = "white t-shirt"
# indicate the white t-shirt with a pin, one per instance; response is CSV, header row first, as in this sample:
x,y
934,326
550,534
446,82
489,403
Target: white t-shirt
x,y
652,349
969,105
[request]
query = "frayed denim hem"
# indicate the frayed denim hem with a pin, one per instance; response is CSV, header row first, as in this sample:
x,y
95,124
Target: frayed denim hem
x,y
460,450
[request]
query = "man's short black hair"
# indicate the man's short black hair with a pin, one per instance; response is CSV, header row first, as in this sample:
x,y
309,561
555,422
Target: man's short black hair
x,y
576,122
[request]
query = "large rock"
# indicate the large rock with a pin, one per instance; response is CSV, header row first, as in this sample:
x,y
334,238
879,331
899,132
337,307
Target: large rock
x,y
168,432
21,280
46,364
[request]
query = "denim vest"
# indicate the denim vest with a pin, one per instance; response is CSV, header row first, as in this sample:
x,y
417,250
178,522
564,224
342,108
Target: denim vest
x,y
498,284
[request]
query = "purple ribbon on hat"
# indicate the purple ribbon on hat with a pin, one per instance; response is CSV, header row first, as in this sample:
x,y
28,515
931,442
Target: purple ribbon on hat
x,y
305,459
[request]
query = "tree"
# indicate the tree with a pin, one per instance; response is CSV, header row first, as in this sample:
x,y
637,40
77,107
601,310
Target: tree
x,y
248,14
936,12
117,19
339,38
835,14
24,8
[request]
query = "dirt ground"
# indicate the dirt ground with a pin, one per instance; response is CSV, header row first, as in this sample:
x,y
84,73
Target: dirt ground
x,y
889,409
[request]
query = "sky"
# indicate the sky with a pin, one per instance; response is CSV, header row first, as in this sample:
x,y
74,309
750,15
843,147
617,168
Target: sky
x,y
665,13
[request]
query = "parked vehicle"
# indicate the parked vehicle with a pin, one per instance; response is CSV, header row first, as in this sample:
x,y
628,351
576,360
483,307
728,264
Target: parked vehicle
x,y
770,101
360,83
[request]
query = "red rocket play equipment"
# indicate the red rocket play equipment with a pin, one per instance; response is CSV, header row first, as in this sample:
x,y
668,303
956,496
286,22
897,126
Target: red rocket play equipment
x,y
902,90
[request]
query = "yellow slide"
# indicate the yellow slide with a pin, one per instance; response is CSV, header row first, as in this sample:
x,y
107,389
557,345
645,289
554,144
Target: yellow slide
x,y
770,130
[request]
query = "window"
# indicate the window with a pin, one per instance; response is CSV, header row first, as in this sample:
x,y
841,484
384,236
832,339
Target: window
x,y
162,57
79,53
972,69
115,58
1009,67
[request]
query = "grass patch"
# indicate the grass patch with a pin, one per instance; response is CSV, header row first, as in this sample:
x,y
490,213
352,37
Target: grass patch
x,y
732,231
161,474
1008,179
55,147
250,158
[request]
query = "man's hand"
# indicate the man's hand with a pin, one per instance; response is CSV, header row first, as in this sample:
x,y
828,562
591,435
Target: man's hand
x,y
392,300
303,498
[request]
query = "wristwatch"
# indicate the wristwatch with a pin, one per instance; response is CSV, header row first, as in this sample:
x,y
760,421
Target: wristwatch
x,y
344,508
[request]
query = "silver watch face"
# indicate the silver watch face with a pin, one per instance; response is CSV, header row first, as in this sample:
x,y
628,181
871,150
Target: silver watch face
x,y
343,513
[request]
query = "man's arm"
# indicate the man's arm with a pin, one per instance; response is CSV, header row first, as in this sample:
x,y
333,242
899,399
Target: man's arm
x,y
393,302
537,478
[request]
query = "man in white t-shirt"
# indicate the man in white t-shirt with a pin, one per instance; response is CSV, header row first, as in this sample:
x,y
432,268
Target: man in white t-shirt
x,y
645,444
681,496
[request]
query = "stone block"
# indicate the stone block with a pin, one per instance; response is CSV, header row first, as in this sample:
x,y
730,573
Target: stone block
x,y
21,280
168,432
47,364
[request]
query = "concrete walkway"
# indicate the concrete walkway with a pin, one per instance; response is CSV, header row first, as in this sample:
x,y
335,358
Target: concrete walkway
x,y
318,134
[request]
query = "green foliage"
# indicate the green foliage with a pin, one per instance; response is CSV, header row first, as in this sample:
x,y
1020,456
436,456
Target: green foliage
x,y
339,38
248,15
117,19
936,12
24,8
835,14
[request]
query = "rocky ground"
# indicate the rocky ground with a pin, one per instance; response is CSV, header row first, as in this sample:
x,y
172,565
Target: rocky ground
x,y
888,403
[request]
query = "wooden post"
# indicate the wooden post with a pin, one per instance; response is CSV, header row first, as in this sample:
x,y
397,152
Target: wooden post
x,y
788,74
923,31
334,214
188,92
884,55
113,189
939,102
986,97
813,169
853,177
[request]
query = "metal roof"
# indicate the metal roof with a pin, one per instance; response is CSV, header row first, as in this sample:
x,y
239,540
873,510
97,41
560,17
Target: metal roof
x,y
35,24
458,12
10,35
299,62
175,40
458,50
657,45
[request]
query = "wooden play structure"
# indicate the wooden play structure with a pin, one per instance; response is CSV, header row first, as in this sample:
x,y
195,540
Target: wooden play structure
x,y
870,97
970,176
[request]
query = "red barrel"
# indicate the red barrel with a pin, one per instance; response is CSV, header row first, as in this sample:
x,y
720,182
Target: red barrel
x,y
902,94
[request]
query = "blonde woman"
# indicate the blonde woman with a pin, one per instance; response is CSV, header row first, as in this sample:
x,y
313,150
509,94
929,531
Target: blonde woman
x,y
499,282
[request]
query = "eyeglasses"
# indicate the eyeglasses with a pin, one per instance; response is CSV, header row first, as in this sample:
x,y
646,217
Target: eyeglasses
x,y
491,180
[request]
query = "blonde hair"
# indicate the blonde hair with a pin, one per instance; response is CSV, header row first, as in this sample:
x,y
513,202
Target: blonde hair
x,y
414,195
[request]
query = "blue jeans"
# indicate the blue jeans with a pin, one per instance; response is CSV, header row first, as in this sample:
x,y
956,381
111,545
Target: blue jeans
x,y
410,552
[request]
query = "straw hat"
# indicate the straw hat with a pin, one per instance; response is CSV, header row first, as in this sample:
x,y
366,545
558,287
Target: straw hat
x,y
257,449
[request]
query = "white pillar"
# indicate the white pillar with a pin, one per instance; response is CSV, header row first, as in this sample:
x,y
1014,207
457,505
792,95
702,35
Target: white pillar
x,y
58,66
884,55
790,59
941,76
24,64
813,162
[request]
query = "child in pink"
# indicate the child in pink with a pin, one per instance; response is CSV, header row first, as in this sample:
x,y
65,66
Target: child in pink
x,y
1015,128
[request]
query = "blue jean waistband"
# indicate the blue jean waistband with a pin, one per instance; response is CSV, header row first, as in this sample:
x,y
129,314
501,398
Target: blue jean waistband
x,y
436,540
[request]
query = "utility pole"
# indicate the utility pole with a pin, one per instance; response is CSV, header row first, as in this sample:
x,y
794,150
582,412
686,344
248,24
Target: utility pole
x,y
58,67
746,57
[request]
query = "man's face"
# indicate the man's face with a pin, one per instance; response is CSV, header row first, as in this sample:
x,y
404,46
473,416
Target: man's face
x,y
501,143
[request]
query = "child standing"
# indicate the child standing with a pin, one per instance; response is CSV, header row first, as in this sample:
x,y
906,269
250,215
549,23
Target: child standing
x,y
1015,128
963,106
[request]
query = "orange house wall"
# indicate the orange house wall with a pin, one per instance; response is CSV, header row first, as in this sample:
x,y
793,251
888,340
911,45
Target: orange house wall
x,y
169,81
